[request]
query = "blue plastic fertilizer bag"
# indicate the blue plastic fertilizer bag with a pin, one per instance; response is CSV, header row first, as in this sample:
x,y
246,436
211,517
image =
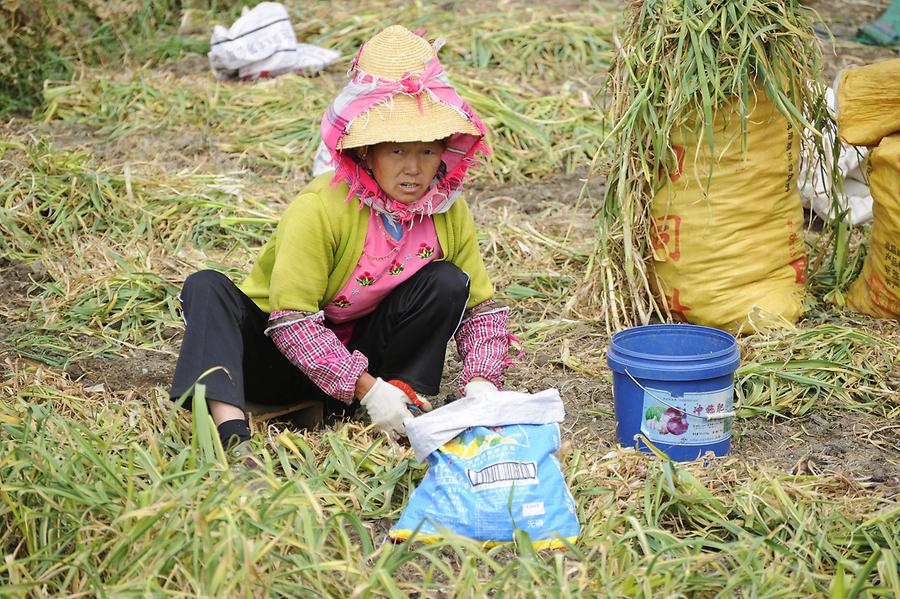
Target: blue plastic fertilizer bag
x,y
490,479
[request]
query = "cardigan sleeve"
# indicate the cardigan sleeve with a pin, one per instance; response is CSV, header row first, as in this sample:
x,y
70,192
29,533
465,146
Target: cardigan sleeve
x,y
304,252
312,251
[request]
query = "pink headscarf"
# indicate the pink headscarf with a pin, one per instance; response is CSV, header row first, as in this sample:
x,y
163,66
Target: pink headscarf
x,y
365,91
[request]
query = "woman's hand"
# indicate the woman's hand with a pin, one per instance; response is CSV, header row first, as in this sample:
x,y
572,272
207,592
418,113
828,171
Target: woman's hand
x,y
479,385
386,405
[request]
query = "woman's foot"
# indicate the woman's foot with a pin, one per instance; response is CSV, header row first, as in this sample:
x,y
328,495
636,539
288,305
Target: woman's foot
x,y
233,432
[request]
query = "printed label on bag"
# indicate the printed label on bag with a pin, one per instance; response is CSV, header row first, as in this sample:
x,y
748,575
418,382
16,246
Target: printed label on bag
x,y
535,508
504,474
680,420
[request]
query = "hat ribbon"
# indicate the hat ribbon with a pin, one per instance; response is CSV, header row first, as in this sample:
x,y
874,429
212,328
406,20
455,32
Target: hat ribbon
x,y
412,84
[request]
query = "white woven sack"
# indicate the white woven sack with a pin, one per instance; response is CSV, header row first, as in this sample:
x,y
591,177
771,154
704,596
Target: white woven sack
x,y
306,59
260,43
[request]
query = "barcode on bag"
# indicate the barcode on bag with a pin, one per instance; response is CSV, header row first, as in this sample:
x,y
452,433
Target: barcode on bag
x,y
503,474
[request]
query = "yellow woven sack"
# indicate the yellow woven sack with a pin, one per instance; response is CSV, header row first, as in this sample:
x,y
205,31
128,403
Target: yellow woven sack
x,y
869,103
877,290
727,247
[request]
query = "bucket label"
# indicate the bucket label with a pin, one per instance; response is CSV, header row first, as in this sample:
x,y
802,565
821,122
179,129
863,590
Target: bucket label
x,y
683,420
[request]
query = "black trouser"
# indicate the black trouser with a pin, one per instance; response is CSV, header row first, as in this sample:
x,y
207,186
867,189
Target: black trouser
x,y
404,338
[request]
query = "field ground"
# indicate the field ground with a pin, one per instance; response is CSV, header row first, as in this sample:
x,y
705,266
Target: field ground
x,y
129,171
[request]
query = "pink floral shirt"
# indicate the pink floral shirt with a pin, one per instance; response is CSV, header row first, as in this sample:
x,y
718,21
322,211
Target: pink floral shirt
x,y
384,264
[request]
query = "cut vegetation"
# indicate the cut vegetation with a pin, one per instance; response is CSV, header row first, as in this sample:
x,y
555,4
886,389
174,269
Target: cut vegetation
x,y
133,167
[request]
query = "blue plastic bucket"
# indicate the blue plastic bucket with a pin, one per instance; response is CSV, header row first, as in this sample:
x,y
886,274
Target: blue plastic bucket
x,y
674,384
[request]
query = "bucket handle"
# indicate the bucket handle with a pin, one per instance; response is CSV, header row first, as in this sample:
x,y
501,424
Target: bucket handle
x,y
707,417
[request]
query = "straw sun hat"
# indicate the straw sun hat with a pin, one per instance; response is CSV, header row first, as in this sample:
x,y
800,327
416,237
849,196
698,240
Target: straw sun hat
x,y
391,55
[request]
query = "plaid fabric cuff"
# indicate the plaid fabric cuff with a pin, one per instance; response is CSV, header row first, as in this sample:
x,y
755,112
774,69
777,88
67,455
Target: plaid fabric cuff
x,y
483,344
313,348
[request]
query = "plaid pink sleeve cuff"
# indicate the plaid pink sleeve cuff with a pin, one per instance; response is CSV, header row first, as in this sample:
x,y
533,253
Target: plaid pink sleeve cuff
x,y
313,348
483,344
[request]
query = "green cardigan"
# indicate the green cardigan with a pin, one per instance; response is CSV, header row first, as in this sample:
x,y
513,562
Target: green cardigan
x,y
320,238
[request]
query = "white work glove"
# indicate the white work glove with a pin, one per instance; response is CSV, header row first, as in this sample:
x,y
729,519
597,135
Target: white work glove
x,y
474,388
386,405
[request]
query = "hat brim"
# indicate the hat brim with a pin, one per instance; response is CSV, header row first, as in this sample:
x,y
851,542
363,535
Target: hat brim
x,y
403,120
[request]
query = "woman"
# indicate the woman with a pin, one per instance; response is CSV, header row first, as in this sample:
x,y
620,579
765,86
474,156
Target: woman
x,y
371,270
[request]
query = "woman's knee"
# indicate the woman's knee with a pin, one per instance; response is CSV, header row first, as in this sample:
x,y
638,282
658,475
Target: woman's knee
x,y
207,286
449,282
204,280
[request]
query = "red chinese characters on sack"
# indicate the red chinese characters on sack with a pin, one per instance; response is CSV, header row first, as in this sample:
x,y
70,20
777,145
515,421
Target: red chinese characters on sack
x,y
676,308
666,235
799,266
881,296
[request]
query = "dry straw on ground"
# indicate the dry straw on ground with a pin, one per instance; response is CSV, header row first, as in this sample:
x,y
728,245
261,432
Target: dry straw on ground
x,y
119,495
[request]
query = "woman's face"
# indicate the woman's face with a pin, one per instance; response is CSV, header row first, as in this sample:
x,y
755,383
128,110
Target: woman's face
x,y
404,170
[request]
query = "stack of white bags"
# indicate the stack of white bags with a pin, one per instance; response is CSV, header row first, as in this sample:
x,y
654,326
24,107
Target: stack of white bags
x,y
261,43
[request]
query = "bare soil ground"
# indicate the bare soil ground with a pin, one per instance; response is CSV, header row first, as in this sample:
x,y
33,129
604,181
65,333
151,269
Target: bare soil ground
x,y
863,448
844,17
